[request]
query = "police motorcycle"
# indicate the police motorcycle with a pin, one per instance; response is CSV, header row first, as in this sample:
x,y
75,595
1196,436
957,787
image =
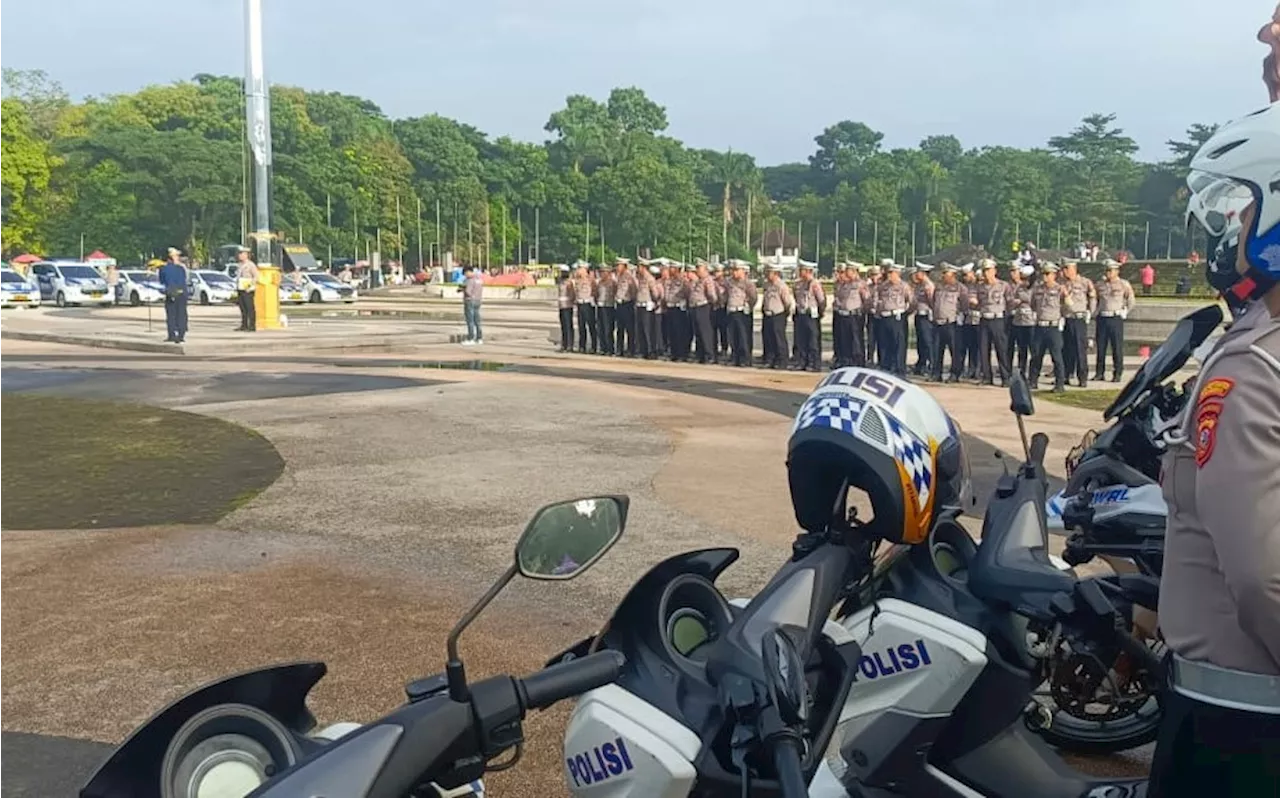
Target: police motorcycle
x,y
915,686
252,734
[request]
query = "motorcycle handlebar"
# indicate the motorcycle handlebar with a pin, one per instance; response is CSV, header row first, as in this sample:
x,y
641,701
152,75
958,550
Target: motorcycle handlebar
x,y
569,679
787,764
1039,444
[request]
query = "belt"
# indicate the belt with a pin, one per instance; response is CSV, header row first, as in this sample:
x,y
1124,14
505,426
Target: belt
x,y
992,315
1079,315
926,315
1107,315
884,314
944,323
1046,324
846,312
1226,687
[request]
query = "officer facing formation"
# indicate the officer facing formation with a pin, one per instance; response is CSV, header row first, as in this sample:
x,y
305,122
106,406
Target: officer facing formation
x,y
871,321
893,298
1075,334
720,312
606,311
1114,301
625,299
702,296
565,303
852,297
810,307
949,300
1050,302
1022,319
584,296
776,306
989,299
739,299
923,311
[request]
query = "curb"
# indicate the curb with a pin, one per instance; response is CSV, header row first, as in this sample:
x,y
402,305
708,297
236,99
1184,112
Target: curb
x,y
101,343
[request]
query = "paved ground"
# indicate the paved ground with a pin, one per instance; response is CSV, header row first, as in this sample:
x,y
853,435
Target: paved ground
x,y
405,486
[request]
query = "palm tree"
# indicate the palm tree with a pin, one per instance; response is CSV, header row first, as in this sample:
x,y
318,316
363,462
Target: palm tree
x,y
732,170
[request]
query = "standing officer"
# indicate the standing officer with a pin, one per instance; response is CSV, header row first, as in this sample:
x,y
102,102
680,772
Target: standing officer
x,y
926,350
173,277
871,323
992,294
661,323
675,294
1051,302
565,302
969,337
893,299
776,306
847,323
811,306
719,313
1015,280
1023,320
246,287
949,300
1115,300
606,310
625,308
647,298
584,293
702,296
837,277
1075,333
740,298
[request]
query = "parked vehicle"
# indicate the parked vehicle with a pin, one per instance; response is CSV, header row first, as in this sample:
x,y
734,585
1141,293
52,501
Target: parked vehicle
x,y
209,287
253,734
71,283
138,287
293,289
324,287
18,291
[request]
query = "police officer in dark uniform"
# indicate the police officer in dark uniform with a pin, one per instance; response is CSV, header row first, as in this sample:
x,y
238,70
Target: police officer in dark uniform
x,y
1051,302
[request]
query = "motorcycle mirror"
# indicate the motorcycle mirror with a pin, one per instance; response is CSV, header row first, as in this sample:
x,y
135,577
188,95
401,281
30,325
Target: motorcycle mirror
x,y
1021,405
561,541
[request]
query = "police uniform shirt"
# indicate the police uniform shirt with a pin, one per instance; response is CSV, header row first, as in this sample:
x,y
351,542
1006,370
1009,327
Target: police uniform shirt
x,y
1050,302
991,299
584,290
948,299
646,293
722,290
740,295
1220,596
893,298
625,287
1024,315
1115,297
923,292
702,291
849,296
1084,299
606,290
777,298
564,294
810,299
675,292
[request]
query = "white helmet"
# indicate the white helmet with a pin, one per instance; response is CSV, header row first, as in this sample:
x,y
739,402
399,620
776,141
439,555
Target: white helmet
x,y
1237,167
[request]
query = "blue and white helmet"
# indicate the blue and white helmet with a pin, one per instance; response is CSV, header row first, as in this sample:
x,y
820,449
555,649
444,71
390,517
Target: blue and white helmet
x,y
866,430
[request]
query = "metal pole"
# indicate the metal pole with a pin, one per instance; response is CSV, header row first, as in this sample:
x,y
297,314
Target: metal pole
x,y
537,239
355,233
894,252
520,256
258,129
836,246
399,236
913,242
488,236
504,237
82,246
586,244
602,241
855,238
1146,242
328,223
439,249
421,265
875,240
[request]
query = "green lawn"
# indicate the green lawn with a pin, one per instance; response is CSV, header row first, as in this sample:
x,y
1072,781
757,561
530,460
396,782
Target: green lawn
x,y
1091,399
79,464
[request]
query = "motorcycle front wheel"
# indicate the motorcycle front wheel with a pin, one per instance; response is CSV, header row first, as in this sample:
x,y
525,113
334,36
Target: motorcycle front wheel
x,y
1096,738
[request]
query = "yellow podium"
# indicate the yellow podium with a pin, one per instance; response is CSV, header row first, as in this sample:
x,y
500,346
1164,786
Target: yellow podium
x,y
266,298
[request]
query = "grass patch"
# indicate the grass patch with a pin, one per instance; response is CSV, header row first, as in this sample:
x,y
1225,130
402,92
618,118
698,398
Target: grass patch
x,y
82,464
1098,400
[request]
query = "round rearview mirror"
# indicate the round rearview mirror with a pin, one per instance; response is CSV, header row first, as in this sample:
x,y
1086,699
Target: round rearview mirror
x,y
565,539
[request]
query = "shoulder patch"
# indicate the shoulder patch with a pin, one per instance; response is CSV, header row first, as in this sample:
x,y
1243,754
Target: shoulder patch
x,y
1208,410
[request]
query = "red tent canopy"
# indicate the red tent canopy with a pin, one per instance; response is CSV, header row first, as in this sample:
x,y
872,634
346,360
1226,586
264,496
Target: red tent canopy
x,y
26,258
97,254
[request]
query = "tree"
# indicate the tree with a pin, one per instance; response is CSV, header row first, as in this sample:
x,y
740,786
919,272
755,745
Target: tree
x,y
1184,151
844,146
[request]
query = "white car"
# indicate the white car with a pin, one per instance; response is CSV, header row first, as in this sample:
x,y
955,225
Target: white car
x,y
207,287
324,287
293,289
71,283
138,287
17,291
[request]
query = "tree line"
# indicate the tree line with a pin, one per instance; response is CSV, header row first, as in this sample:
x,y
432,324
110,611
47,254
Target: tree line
x,y
132,173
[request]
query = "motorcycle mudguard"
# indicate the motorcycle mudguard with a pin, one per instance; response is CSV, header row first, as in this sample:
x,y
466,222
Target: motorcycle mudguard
x,y
133,769
1145,504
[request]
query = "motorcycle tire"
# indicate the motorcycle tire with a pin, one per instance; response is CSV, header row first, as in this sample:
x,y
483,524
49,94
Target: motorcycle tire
x,y
1077,736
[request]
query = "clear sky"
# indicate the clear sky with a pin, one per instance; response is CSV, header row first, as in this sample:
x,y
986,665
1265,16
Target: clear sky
x,y
759,76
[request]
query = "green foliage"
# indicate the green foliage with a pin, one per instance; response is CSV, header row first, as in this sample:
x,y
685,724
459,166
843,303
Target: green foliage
x,y
167,164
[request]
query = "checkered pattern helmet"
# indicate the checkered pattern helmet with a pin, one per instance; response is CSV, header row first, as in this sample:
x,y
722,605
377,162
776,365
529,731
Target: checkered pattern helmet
x,y
868,431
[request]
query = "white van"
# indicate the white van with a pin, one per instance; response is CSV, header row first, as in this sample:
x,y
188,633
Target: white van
x,y
17,291
71,283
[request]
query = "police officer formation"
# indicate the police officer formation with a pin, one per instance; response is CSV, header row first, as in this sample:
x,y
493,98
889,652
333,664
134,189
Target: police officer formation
x,y
977,325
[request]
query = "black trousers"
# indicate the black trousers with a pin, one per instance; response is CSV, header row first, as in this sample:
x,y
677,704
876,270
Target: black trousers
x,y
586,327
681,335
775,340
893,345
846,334
248,313
1075,348
925,347
664,332
1047,339
1008,339
704,334
720,321
992,334
1020,344
1110,333
972,350
566,329
626,321
869,336
740,337
808,342
646,334
945,338
175,316
606,324
1203,750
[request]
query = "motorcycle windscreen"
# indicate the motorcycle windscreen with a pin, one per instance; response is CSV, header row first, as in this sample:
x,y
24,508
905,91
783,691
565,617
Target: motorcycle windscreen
x,y
1190,331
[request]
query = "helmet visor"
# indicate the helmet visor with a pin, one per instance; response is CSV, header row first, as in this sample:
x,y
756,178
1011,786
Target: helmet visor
x,y
1216,202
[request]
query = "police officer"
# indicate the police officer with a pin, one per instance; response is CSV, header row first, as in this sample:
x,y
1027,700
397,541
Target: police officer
x,y
894,299
1075,333
565,303
246,289
702,296
949,300
776,306
969,323
173,276
1115,300
740,298
676,297
584,293
625,308
810,307
847,324
871,323
923,311
647,297
992,294
720,313
1051,303
660,322
606,310
1022,320
837,277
